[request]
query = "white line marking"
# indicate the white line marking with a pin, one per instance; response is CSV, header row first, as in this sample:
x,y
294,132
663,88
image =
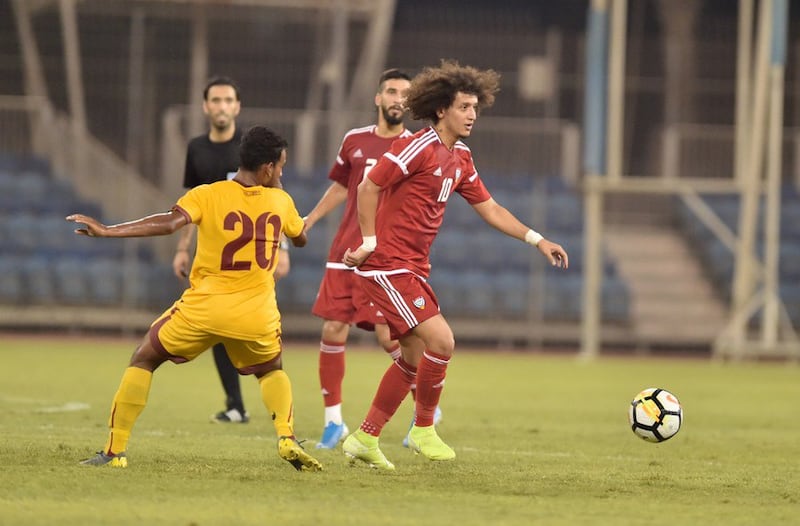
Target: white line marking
x,y
65,408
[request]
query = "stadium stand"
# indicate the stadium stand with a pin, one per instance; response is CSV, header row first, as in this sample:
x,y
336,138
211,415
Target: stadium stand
x,y
718,260
478,273
42,262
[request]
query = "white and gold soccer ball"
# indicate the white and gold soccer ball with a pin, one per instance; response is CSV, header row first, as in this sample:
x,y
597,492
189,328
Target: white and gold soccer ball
x,y
655,415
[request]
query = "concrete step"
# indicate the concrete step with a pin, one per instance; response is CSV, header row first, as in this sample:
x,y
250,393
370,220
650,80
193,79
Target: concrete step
x,y
671,298
690,314
674,290
666,270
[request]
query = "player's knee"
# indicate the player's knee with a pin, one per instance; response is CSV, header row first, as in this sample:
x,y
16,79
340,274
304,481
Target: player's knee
x,y
146,357
443,344
262,369
335,331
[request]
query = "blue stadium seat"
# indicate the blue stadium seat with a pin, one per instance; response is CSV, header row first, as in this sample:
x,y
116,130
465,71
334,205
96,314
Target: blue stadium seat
x,y
39,280
71,281
615,300
513,294
12,288
479,293
105,280
449,290
562,298
304,282
23,232
154,285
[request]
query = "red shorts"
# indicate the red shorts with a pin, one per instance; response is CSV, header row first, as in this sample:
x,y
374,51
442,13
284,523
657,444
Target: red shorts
x,y
405,299
341,299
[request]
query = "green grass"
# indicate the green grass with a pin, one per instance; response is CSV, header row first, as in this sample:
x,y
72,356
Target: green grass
x,y
540,440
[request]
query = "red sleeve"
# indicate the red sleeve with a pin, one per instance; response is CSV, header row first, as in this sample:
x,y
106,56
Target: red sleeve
x,y
471,186
388,170
340,171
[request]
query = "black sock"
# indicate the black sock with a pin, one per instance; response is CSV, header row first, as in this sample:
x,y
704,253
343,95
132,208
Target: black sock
x,y
230,379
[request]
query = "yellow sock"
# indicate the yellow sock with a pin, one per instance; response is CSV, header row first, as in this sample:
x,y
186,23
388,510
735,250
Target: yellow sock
x,y
126,407
276,392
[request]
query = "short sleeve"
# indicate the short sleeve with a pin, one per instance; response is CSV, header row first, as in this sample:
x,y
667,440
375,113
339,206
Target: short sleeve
x,y
471,186
340,171
191,203
391,169
293,224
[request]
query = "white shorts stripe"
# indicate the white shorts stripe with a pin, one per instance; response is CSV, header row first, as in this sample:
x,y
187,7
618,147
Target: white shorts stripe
x,y
338,266
397,300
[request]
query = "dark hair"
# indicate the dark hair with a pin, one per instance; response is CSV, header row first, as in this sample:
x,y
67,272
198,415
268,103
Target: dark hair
x,y
221,81
435,88
390,74
259,146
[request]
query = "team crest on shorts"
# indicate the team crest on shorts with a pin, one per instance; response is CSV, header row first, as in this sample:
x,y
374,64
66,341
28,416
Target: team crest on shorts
x,y
419,302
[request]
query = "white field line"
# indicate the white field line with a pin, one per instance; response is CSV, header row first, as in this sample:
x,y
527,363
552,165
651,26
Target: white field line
x,y
49,406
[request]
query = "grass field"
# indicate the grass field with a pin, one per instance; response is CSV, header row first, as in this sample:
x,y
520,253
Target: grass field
x,y
541,439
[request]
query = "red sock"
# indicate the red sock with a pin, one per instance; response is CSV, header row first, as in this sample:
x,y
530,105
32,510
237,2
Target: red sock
x,y
430,381
392,390
331,371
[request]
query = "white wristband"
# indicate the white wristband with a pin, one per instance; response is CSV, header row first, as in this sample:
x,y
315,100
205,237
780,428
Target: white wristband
x,y
532,237
369,243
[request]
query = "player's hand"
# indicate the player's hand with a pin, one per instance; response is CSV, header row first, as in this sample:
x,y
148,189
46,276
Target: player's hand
x,y
94,228
353,258
554,253
180,264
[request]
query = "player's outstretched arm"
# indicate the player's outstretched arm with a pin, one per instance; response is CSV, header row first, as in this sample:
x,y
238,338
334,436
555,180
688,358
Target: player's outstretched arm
x,y
500,218
335,195
152,225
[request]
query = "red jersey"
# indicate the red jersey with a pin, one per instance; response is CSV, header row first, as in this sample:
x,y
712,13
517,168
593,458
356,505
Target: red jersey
x,y
417,176
359,153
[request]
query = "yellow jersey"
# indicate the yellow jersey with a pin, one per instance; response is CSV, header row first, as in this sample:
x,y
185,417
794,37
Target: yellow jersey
x,y
231,286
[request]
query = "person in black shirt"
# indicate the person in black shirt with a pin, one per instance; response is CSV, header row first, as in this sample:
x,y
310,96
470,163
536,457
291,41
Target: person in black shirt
x,y
212,157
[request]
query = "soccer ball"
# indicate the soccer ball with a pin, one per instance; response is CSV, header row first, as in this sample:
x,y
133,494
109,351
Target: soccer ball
x,y
655,415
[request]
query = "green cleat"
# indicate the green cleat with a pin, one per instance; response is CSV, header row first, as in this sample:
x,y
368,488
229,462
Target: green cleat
x,y
364,447
426,441
292,452
118,460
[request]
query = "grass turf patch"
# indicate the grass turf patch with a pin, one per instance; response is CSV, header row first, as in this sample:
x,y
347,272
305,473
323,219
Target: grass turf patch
x,y
540,439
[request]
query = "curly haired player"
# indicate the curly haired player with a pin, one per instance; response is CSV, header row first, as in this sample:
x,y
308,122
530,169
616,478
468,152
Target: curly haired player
x,y
413,182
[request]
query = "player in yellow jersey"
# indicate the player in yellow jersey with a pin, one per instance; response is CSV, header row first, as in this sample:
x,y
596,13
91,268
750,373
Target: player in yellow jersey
x,y
231,294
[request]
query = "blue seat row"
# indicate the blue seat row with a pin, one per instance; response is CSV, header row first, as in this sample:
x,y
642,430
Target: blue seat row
x,y
77,281
718,260
477,271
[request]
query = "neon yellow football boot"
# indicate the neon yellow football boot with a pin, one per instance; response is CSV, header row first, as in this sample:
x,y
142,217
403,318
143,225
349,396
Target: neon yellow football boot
x,y
118,460
292,452
364,447
426,441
